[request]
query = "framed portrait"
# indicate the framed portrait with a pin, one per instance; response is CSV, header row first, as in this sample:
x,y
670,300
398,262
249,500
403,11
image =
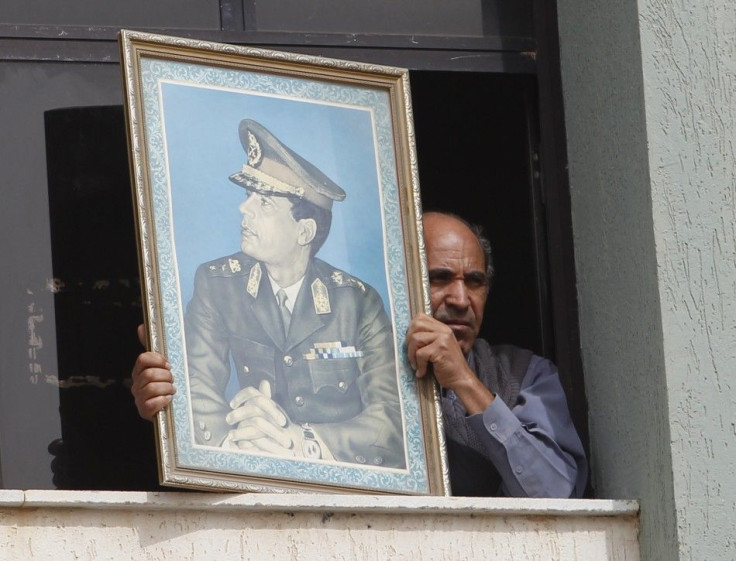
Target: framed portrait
x,y
281,256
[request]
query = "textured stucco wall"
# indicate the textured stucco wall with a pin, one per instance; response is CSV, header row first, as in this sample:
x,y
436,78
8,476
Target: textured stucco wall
x,y
649,103
689,59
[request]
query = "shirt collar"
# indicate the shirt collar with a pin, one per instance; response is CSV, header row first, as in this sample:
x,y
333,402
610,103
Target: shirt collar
x,y
291,291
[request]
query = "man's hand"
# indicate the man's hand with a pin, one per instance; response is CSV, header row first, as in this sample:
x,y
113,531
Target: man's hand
x,y
153,383
261,424
431,341
153,386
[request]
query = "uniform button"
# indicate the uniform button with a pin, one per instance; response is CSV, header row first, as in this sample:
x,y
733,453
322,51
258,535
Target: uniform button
x,y
378,460
360,459
299,400
246,370
288,361
202,426
342,385
207,435
494,426
518,469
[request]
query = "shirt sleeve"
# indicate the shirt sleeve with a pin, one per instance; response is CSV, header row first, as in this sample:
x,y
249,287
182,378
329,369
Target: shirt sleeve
x,y
534,446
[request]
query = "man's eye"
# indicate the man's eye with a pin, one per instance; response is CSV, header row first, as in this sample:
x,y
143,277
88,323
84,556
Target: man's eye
x,y
437,279
475,281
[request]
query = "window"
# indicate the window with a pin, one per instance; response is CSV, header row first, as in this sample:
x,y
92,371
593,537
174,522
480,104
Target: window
x,y
482,93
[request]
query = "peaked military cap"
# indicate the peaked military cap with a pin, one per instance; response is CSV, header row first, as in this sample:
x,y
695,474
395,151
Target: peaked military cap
x,y
271,167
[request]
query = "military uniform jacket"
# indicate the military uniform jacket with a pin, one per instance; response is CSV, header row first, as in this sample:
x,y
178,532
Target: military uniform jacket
x,y
335,369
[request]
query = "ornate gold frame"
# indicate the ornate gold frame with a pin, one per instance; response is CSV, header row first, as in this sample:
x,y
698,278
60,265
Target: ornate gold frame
x,y
148,61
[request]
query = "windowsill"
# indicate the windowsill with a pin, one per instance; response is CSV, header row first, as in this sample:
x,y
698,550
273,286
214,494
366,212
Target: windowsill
x,y
127,526
224,502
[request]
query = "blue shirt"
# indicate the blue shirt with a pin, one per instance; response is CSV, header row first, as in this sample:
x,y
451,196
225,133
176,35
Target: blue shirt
x,y
534,446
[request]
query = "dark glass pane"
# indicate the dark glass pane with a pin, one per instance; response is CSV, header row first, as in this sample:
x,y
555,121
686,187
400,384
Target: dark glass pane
x,y
195,14
473,18
97,301
70,297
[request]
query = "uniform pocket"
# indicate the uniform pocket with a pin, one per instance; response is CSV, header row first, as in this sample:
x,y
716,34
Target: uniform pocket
x,y
337,373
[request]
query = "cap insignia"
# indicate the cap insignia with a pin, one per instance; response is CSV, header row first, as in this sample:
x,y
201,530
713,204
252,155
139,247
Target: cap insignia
x,y
321,297
254,150
254,280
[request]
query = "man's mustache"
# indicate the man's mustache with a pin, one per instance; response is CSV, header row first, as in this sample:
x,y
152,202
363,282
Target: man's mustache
x,y
465,318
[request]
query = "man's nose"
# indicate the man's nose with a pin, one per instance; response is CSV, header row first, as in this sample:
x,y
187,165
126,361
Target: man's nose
x,y
457,294
244,206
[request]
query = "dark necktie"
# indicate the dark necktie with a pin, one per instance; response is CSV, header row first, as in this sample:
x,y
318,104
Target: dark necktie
x,y
285,313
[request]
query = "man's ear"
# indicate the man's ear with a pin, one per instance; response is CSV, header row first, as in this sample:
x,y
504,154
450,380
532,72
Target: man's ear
x,y
307,231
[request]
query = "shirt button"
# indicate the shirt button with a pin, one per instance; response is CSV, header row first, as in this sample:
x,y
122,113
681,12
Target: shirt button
x,y
378,460
288,361
518,469
207,435
360,459
299,400
494,426
202,426
246,370
342,385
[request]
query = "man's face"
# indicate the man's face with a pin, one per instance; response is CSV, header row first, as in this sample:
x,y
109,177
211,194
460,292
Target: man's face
x,y
269,232
457,282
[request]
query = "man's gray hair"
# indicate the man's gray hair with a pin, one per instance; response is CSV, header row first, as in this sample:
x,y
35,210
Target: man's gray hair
x,y
485,244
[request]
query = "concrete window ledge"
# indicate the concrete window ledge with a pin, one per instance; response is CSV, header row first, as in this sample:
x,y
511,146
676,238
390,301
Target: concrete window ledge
x,y
37,525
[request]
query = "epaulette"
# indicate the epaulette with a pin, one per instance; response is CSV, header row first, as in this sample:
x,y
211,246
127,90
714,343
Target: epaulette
x,y
231,266
341,279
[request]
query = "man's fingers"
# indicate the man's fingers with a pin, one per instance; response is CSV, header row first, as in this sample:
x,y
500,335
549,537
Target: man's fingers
x,y
150,407
150,360
421,359
152,386
265,445
419,347
256,407
155,389
152,381
429,341
259,428
251,402
265,388
142,335
243,396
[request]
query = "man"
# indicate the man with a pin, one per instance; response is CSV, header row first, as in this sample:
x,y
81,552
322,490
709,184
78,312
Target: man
x,y
312,346
508,428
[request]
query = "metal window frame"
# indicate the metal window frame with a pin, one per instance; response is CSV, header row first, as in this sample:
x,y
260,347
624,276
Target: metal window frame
x,y
537,55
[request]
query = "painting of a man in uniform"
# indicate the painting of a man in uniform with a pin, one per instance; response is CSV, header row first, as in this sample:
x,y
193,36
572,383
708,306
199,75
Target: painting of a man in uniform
x,y
311,345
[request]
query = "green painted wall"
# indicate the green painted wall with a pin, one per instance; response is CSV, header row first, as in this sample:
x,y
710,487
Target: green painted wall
x,y
649,102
